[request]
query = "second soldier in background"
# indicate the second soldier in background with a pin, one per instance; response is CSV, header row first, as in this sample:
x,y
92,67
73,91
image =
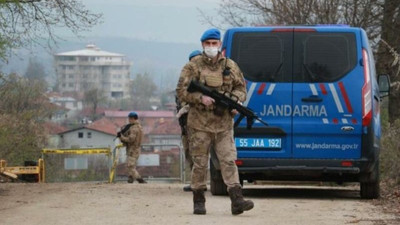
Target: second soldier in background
x,y
132,139
183,109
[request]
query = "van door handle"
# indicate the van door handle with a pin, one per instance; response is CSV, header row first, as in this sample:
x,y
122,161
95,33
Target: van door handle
x,y
312,98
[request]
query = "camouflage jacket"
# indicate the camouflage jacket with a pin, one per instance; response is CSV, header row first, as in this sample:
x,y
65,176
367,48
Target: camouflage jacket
x,y
133,137
202,69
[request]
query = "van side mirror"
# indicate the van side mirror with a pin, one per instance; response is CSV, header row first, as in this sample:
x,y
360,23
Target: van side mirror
x,y
384,85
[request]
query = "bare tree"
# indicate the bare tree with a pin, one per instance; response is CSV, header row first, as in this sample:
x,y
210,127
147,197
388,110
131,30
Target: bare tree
x,y
30,22
389,53
360,13
94,97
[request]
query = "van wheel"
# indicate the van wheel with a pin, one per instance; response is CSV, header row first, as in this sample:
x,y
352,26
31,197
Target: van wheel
x,y
217,185
371,189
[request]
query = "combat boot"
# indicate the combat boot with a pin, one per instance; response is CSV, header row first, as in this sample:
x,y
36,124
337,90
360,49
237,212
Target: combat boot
x,y
130,179
199,202
238,203
141,181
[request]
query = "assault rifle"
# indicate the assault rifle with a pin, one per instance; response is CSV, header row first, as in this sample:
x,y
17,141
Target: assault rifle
x,y
123,130
225,101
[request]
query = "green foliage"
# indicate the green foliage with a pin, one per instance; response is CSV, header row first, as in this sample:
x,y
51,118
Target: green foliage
x,y
20,140
4,46
143,88
23,109
390,150
35,70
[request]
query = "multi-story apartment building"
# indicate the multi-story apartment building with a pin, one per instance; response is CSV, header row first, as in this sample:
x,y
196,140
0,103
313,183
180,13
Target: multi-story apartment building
x,y
90,68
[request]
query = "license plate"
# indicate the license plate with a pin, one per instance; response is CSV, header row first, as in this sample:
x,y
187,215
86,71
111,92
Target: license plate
x,y
258,142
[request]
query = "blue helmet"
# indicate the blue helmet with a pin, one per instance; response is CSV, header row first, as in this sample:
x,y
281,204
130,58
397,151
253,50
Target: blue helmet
x,y
133,115
194,53
212,33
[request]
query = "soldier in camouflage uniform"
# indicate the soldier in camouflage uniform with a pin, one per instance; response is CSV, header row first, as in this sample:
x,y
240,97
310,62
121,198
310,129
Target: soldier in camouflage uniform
x,y
132,138
207,128
183,108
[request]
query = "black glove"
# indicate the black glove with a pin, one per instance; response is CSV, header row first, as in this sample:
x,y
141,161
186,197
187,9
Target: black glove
x,y
119,134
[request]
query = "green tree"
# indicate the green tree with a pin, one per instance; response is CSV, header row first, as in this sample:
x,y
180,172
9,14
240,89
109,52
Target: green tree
x,y
23,109
143,89
35,70
24,23
93,98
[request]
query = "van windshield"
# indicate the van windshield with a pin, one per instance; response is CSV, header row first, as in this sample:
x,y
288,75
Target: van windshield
x,y
294,57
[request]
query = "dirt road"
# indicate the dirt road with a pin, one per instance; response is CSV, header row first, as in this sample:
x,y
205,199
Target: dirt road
x,y
160,203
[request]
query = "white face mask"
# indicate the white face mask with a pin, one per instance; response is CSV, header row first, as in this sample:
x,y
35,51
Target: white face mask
x,y
211,51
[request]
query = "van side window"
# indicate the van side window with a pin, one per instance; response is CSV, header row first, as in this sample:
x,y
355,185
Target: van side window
x,y
263,57
323,57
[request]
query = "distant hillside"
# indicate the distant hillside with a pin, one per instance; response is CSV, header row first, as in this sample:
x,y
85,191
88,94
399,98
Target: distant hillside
x,y
163,61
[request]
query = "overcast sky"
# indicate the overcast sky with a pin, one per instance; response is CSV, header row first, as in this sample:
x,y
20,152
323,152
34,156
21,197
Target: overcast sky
x,y
155,20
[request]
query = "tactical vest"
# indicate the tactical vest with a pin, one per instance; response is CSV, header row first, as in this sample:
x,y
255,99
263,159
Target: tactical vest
x,y
213,76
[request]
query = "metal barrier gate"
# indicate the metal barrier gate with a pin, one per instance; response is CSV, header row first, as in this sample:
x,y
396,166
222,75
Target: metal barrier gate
x,y
157,162
14,171
73,165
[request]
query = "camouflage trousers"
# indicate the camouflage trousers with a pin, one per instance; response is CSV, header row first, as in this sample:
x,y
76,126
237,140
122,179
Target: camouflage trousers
x,y
188,157
223,144
132,157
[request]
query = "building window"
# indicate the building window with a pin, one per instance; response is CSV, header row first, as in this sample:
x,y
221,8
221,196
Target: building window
x,y
71,85
80,135
71,76
75,163
89,134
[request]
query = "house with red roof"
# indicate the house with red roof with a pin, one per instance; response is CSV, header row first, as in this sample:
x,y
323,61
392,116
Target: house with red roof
x,y
53,129
148,119
165,133
160,128
100,133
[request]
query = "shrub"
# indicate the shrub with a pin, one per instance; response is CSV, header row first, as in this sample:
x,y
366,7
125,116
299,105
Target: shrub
x,y
390,151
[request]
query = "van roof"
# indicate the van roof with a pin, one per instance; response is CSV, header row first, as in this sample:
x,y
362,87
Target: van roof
x,y
318,27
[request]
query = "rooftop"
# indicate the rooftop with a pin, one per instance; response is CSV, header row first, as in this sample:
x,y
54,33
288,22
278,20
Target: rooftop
x,y
141,114
90,50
